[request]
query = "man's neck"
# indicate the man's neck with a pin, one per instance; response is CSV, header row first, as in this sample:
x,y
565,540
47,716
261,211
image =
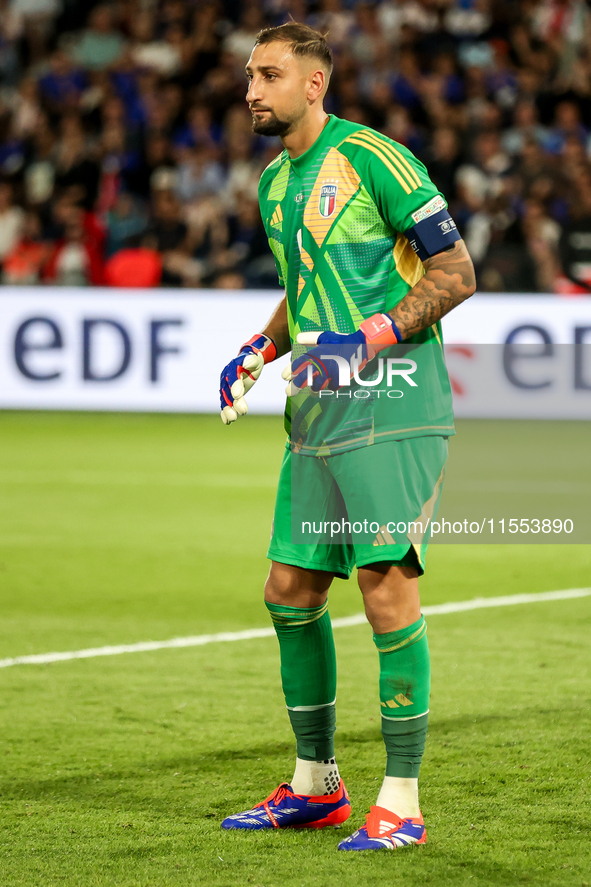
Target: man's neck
x,y
297,142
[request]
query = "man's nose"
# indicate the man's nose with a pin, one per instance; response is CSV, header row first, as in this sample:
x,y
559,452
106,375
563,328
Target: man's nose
x,y
254,91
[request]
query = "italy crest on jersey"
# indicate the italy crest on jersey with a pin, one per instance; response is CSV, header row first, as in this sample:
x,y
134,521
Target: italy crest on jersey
x,y
328,200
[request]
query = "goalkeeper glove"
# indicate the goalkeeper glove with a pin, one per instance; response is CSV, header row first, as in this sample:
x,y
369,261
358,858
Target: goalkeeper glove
x,y
240,374
318,369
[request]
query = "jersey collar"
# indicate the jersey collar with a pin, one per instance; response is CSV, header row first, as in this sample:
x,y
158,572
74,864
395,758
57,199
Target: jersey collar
x,y
302,163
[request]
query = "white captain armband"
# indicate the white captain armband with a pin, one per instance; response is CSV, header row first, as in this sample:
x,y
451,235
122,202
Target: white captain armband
x,y
434,229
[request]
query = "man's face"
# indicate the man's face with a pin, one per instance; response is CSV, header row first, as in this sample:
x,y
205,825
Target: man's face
x,y
278,87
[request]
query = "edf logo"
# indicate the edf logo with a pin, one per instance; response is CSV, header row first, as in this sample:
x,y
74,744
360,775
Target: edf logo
x,y
44,334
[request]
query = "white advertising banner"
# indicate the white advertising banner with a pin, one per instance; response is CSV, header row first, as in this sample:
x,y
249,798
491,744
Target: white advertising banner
x,y
149,350
162,350
520,357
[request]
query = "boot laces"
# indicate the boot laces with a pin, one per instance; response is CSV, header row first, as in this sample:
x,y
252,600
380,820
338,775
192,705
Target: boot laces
x,y
282,791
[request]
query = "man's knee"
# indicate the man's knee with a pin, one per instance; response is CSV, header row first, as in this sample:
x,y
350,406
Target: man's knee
x,y
293,586
390,596
386,575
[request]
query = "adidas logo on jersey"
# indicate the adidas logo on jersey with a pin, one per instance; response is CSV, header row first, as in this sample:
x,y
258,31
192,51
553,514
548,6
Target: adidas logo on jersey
x,y
277,217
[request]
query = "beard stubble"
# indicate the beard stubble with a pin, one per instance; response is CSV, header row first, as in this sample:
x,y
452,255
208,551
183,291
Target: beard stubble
x,y
271,127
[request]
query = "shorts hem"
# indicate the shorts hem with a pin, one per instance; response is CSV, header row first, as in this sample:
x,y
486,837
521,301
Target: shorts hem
x,y
367,561
340,571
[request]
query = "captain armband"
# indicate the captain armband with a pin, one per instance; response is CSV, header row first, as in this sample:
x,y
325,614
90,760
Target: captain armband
x,y
434,229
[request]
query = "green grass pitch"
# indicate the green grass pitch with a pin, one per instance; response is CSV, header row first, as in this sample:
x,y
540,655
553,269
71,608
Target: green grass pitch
x,y
117,771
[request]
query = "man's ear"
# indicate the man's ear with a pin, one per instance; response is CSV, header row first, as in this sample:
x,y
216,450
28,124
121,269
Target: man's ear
x,y
317,83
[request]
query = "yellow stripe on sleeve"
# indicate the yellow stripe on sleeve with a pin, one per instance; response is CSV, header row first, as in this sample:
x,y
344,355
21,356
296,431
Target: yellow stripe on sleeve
x,y
397,158
407,163
407,189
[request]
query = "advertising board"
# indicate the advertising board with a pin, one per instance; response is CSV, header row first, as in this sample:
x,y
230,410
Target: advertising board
x,y
162,350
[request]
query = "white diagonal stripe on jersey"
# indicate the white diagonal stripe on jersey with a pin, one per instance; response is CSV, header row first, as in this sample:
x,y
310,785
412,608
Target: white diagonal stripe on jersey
x,y
252,633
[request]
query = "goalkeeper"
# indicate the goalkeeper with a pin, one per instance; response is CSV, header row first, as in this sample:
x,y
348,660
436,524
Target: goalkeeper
x,y
370,260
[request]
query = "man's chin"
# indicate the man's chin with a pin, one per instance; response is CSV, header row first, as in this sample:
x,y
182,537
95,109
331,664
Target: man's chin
x,y
270,127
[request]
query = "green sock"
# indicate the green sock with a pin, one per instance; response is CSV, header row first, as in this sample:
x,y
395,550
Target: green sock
x,y
308,677
405,680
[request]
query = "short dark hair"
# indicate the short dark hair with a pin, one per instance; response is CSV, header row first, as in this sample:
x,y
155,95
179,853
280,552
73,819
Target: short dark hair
x,y
305,41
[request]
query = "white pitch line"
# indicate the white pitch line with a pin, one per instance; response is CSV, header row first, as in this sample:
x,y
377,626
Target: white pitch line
x,y
200,640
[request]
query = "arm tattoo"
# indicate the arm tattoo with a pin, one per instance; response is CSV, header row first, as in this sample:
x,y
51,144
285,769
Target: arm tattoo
x,y
448,280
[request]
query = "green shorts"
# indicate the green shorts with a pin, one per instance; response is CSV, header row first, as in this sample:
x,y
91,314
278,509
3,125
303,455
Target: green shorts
x,y
369,505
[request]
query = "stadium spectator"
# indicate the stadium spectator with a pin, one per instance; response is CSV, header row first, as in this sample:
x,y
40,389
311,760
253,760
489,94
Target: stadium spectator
x,y
240,40
25,262
526,126
443,159
134,267
199,174
74,166
167,233
100,44
245,250
76,259
575,244
162,56
26,109
9,57
567,124
35,22
103,106
12,219
332,19
125,221
63,84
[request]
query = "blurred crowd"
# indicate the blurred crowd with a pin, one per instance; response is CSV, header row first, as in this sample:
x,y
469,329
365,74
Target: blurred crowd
x,y
127,155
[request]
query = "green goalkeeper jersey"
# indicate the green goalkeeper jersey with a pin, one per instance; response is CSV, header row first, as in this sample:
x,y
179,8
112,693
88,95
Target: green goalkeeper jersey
x,y
336,219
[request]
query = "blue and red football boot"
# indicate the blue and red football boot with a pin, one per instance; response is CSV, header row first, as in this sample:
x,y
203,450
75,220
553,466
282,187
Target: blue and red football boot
x,y
284,809
383,830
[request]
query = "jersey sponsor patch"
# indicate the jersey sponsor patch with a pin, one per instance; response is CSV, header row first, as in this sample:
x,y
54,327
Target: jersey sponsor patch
x,y
429,209
328,200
